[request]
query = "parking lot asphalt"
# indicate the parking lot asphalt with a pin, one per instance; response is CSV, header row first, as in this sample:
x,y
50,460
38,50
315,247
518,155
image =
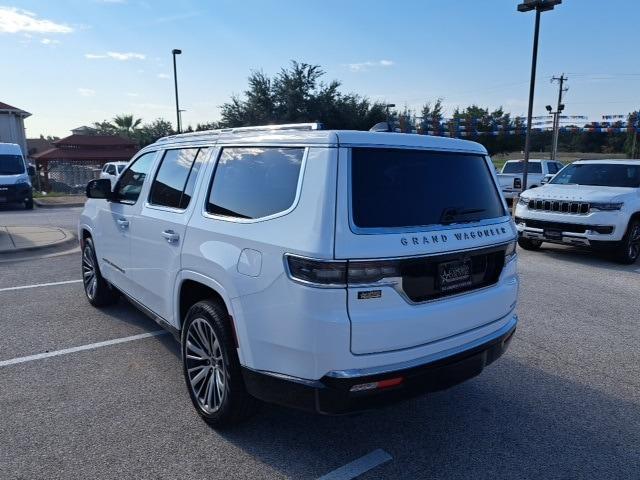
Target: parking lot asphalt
x,y
564,401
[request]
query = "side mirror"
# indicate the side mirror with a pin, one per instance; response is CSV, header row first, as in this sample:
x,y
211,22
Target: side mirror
x,y
100,188
31,171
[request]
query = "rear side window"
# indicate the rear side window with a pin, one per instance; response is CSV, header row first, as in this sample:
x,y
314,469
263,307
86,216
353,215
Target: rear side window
x,y
255,182
517,167
553,167
395,188
175,180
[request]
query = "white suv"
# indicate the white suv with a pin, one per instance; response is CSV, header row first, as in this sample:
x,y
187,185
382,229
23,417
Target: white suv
x,y
111,170
327,270
590,203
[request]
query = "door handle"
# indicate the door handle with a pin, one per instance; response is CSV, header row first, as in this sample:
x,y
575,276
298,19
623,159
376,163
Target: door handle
x,y
122,223
170,236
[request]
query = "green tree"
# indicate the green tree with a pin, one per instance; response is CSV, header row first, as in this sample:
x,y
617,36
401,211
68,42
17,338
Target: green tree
x,y
151,132
297,94
126,124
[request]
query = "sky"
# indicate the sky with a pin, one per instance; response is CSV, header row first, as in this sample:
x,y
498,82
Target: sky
x,y
75,62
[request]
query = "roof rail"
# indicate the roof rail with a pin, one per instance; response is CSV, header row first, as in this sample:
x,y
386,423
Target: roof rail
x,y
261,128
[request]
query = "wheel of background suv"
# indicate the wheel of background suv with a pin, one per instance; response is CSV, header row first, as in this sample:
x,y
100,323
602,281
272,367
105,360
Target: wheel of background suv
x,y
98,291
28,205
211,367
529,243
629,249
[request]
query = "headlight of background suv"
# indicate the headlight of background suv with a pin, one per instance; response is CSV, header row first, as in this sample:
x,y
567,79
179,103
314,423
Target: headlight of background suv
x,y
606,206
523,201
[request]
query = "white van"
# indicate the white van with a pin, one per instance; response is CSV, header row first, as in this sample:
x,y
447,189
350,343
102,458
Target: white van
x,y
327,270
15,184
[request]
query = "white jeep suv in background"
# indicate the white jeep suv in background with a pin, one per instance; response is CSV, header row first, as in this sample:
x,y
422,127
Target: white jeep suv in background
x,y
327,270
590,203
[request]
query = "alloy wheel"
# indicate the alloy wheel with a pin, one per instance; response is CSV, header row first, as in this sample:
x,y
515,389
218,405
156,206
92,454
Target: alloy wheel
x,y
205,365
89,277
634,242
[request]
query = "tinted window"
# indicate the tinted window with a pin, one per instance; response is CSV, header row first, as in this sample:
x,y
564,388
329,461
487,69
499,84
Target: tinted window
x,y
11,165
131,181
600,174
111,170
516,167
553,168
175,172
409,188
121,168
255,182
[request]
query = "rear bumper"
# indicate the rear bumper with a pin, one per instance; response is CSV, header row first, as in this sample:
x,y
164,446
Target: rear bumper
x,y
332,394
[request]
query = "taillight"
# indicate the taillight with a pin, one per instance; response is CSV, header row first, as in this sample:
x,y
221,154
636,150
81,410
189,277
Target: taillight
x,y
371,272
321,273
517,183
329,273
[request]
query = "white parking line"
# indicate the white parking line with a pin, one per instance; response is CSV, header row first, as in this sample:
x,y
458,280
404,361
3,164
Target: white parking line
x,y
359,466
115,341
36,285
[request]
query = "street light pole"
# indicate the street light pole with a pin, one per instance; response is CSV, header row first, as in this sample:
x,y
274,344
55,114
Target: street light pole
x,y
175,52
532,90
539,6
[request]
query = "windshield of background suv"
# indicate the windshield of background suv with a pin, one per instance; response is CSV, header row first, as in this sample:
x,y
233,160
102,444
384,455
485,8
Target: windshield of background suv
x,y
517,167
120,168
11,165
394,188
599,174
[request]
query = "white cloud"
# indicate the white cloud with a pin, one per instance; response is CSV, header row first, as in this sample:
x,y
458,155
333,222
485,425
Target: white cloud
x,y
364,66
86,92
163,75
49,41
15,20
122,56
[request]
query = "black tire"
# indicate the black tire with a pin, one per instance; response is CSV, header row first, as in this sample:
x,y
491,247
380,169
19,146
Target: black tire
x,y
98,291
529,243
213,359
628,250
28,205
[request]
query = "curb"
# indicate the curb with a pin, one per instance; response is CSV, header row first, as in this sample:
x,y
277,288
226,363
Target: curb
x,y
69,240
40,204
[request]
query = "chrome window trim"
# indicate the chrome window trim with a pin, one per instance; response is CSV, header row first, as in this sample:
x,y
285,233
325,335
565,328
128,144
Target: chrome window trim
x,y
283,213
426,228
418,362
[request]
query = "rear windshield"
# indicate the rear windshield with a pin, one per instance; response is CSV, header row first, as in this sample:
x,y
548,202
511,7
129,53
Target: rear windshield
x,y
394,188
517,167
11,165
600,174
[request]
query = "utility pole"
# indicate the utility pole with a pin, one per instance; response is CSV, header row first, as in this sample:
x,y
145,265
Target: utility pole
x,y
556,115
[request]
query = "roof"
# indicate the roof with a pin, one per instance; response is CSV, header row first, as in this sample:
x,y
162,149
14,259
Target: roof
x,y
297,134
95,141
5,107
87,154
104,148
37,145
610,161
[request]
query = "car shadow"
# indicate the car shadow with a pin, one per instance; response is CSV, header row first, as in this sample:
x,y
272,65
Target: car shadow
x,y
514,421
583,256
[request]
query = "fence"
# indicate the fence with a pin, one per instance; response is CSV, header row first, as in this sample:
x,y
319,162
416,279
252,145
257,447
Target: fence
x,y
66,177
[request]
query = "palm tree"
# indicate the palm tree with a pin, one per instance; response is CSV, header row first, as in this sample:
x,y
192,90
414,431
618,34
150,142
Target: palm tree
x,y
126,124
